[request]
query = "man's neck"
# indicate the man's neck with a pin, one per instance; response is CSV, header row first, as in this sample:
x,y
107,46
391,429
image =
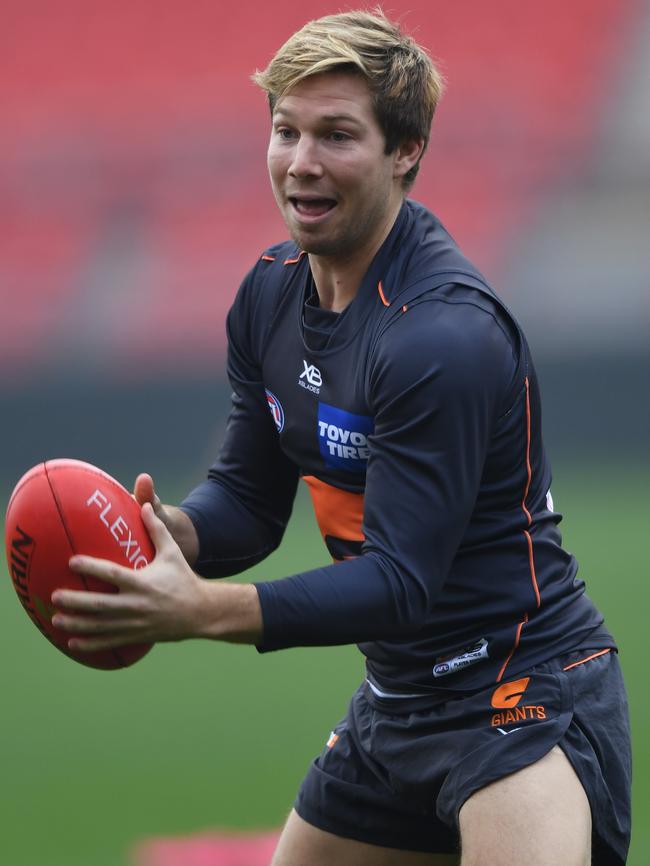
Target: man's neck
x,y
338,278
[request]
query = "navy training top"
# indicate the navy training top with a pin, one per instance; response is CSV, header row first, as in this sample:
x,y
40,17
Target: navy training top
x,y
414,418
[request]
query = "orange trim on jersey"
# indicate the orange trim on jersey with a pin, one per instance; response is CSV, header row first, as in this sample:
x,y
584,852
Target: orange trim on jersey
x,y
297,259
268,258
339,513
531,563
382,295
527,535
514,647
529,475
588,659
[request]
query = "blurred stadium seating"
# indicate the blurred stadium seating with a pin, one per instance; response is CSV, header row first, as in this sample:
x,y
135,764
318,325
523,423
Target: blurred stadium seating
x,y
132,142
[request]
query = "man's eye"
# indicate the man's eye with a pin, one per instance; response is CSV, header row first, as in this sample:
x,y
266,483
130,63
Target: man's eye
x,y
339,137
284,133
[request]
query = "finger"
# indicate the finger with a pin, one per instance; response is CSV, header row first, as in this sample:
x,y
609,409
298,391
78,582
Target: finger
x,y
93,625
119,575
89,602
145,491
104,642
156,528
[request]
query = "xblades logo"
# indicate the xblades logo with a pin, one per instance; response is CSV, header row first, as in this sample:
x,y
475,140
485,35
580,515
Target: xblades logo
x,y
310,378
311,374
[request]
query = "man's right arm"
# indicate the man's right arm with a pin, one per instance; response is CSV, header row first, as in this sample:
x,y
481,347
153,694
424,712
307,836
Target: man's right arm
x,y
238,515
240,512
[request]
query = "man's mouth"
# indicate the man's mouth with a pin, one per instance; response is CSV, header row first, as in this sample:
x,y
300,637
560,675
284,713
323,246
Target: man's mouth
x,y
312,206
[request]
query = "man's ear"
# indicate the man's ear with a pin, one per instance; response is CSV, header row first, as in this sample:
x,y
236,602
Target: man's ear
x,y
406,155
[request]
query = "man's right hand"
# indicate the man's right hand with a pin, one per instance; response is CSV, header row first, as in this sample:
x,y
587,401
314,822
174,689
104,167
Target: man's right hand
x,y
177,522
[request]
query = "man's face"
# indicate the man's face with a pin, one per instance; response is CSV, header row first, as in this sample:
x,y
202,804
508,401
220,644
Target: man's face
x,y
335,186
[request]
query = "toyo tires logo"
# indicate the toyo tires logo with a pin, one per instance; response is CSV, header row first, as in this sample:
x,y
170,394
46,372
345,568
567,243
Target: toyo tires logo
x,y
343,438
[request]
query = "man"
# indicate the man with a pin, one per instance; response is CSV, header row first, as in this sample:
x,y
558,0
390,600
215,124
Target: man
x,y
370,358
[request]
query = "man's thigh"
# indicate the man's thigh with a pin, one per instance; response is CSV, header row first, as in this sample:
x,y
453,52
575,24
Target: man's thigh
x,y
539,815
301,844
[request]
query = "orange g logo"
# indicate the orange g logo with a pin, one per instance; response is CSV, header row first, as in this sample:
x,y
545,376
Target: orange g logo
x,y
509,694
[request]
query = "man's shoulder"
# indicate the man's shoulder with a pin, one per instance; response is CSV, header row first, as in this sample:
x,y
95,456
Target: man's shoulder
x,y
283,253
430,272
268,279
425,256
453,321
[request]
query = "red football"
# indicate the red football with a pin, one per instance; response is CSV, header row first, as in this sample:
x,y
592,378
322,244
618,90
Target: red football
x,y
60,508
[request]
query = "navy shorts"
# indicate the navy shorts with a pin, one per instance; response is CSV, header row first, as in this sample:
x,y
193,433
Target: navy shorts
x,y
397,776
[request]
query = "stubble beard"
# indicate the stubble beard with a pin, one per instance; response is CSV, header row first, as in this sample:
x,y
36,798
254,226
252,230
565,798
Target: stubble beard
x,y
346,241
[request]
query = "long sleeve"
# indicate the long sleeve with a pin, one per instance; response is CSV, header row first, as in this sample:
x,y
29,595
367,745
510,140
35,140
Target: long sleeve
x,y
241,510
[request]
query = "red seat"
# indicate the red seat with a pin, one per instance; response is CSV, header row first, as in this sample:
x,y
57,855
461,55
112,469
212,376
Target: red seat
x,y
145,113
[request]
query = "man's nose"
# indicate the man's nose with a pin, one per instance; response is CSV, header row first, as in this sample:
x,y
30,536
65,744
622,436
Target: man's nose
x,y
305,158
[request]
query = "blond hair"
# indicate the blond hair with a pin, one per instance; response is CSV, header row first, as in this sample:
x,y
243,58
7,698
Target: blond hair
x,y
404,82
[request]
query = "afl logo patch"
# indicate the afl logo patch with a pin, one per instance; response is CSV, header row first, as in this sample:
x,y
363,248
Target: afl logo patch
x,y
276,410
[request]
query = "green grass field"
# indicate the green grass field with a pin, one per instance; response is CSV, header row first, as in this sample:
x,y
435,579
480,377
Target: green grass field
x,y
199,736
